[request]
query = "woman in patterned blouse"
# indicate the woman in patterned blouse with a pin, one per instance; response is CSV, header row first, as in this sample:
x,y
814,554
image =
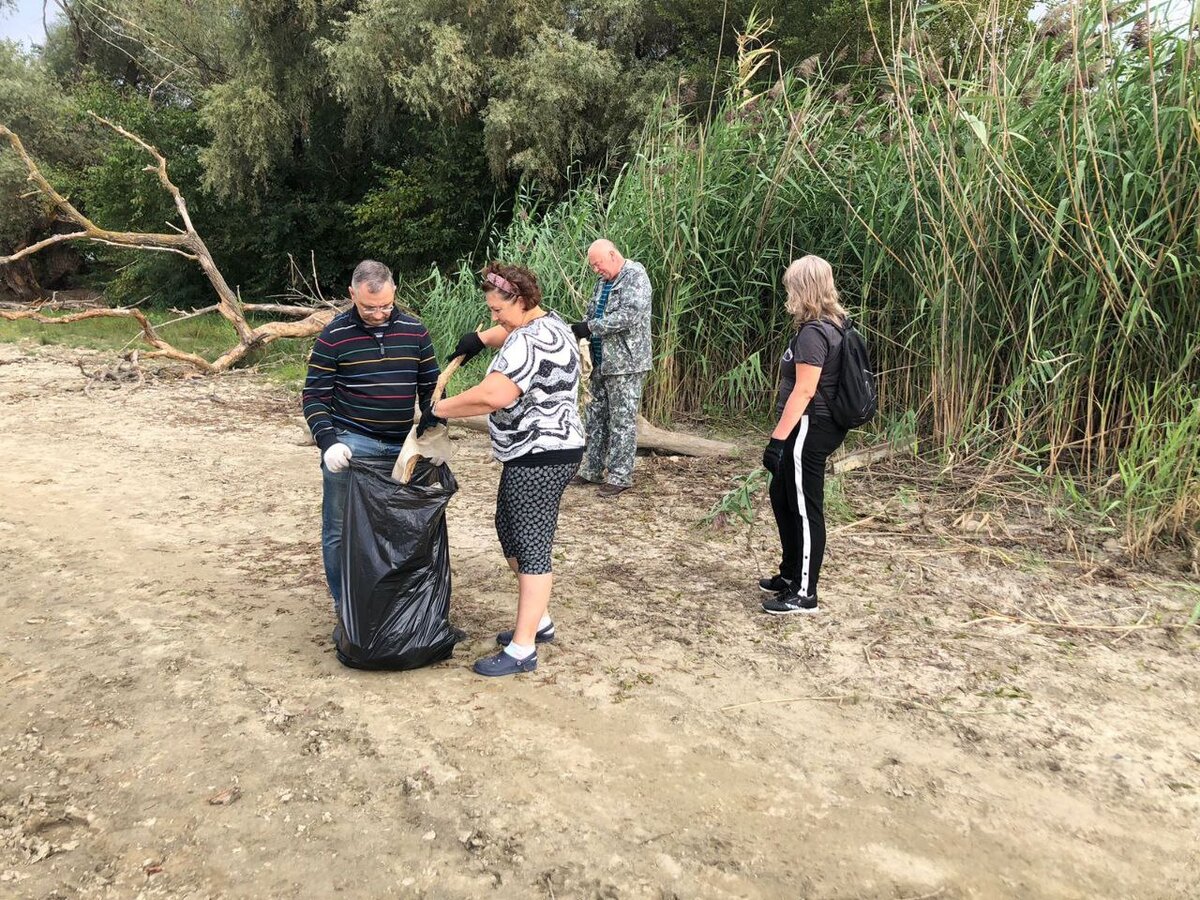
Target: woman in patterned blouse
x,y
532,394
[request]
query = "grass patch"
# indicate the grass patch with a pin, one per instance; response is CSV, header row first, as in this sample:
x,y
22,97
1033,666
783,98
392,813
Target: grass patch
x,y
284,361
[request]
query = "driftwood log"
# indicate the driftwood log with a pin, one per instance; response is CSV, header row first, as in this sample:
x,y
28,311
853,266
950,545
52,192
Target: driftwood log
x,y
856,459
650,437
187,243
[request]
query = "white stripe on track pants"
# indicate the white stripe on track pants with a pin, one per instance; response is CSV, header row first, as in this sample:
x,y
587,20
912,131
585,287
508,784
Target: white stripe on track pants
x,y
798,500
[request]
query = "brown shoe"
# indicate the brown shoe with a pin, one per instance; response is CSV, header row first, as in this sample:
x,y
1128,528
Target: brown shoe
x,y
612,490
580,481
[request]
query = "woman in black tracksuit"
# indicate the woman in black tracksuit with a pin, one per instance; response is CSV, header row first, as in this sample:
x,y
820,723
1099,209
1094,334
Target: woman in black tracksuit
x,y
804,436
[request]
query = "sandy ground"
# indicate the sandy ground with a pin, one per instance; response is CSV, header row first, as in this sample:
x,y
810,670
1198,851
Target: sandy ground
x,y
166,645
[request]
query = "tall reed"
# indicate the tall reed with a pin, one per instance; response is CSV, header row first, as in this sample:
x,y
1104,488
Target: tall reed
x,y
1013,225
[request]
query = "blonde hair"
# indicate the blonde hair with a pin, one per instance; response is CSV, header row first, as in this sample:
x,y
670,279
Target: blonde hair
x,y
811,293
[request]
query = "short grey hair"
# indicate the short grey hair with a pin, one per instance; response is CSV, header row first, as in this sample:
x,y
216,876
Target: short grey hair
x,y
375,275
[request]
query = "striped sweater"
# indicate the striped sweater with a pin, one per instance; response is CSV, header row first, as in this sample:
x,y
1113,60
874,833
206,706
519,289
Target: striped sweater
x,y
366,378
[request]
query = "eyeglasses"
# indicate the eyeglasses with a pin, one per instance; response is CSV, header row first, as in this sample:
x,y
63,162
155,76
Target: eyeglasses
x,y
377,310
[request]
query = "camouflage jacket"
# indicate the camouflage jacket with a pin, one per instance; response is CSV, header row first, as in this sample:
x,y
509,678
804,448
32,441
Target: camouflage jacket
x,y
624,329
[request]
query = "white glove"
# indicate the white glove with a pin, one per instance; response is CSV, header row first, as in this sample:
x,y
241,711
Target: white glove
x,y
337,458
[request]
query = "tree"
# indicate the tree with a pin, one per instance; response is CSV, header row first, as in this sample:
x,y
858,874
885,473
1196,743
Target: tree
x,y
425,209
327,126
31,102
554,83
184,241
243,100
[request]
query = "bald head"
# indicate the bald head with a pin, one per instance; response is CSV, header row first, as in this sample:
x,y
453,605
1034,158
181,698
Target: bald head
x,y
605,259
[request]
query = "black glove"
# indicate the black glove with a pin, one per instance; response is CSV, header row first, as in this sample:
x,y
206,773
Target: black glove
x,y
468,347
581,330
428,419
773,455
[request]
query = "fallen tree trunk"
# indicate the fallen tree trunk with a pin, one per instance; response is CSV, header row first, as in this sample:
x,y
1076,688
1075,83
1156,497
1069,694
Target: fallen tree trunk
x,y
864,457
284,309
650,437
187,243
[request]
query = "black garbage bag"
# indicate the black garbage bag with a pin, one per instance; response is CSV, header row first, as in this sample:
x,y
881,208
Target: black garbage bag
x,y
395,568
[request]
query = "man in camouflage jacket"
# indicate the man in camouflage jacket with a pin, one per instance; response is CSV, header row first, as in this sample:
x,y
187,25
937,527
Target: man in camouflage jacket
x,y
618,327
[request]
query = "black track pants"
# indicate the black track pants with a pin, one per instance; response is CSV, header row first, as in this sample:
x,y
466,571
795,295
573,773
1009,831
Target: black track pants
x,y
798,501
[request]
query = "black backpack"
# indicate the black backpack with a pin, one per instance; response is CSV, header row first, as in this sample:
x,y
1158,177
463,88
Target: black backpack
x,y
857,397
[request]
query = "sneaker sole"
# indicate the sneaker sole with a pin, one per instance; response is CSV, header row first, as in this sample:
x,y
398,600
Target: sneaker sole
x,y
770,593
532,668
792,612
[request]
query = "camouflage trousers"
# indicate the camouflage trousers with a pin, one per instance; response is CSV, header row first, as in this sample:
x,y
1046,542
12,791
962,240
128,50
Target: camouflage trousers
x,y
612,418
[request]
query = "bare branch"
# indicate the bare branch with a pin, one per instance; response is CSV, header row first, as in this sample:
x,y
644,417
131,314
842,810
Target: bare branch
x,y
163,80
284,309
34,248
188,244
44,186
183,253
195,313
162,348
91,230
160,169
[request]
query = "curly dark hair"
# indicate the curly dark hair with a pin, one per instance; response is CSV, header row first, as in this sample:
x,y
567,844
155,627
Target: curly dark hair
x,y
529,293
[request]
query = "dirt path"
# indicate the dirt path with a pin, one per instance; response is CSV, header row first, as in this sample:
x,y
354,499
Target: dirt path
x,y
166,638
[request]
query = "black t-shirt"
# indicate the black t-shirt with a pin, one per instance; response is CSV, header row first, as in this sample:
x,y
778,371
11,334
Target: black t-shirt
x,y
815,344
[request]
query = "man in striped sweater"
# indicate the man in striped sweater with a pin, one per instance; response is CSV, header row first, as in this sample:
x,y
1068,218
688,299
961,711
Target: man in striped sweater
x,y
369,369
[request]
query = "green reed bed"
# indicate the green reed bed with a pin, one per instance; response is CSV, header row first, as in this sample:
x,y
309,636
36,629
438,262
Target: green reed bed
x,y
1015,226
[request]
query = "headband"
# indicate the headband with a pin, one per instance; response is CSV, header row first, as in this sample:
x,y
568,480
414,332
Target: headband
x,y
504,284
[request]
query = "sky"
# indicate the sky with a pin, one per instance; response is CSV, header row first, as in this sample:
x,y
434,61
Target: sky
x,y
24,24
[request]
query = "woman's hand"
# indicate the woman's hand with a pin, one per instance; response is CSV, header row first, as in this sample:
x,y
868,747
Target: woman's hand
x,y
468,347
773,455
428,419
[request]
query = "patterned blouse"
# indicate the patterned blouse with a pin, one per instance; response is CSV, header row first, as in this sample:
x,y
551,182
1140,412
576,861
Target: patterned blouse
x,y
542,359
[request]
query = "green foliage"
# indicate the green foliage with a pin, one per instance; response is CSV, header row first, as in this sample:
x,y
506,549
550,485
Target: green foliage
x,y
563,102
1161,455
1013,227
32,105
307,119
425,210
739,499
555,84
252,241
251,134
452,303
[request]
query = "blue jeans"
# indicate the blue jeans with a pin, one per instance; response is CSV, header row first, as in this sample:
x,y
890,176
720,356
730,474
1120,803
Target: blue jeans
x,y
333,505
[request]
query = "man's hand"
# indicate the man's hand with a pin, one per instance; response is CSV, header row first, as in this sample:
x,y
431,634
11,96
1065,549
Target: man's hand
x,y
773,455
337,458
428,419
468,347
581,330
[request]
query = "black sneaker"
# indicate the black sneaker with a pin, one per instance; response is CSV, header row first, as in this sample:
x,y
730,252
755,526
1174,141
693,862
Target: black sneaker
x,y
776,584
790,603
